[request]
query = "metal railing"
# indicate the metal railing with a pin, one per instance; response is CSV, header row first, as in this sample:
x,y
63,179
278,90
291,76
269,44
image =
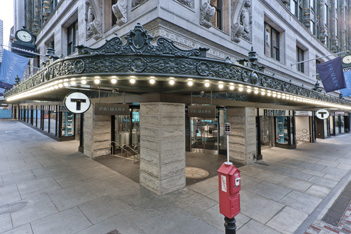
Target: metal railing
x,y
127,149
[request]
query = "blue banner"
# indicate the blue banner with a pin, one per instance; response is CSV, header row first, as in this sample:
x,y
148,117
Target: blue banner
x,y
332,75
347,92
12,66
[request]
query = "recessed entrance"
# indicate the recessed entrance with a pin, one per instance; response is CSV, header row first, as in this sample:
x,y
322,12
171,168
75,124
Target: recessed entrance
x,y
204,133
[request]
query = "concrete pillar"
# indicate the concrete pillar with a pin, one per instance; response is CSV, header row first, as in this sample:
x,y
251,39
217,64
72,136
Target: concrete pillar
x,y
97,134
162,147
242,139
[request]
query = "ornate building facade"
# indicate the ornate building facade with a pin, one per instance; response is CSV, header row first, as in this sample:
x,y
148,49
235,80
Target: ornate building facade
x,y
270,97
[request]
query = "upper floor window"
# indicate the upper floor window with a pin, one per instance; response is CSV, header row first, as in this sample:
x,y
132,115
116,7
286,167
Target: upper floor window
x,y
271,41
217,18
72,37
312,4
326,15
300,57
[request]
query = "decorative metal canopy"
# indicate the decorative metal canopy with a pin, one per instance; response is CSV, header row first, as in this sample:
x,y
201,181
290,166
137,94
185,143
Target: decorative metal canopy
x,y
138,57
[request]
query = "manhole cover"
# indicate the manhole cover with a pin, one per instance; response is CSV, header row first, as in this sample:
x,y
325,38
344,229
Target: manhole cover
x,y
195,173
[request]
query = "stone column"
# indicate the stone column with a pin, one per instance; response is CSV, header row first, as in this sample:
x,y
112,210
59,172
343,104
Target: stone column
x,y
97,134
348,26
242,139
323,29
162,147
342,23
36,17
333,29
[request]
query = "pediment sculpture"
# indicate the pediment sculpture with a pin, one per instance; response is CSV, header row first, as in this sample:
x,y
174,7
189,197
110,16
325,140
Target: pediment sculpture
x,y
120,11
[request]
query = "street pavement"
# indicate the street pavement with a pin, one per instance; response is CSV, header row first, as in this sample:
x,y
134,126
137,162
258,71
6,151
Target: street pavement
x,y
48,187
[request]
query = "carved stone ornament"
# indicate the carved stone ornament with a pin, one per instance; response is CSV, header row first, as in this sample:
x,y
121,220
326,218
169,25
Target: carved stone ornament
x,y
139,42
136,3
120,11
241,20
206,14
94,26
188,3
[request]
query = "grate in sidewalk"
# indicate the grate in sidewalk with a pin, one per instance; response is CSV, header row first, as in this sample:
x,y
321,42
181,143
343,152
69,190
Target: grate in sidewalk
x,y
337,210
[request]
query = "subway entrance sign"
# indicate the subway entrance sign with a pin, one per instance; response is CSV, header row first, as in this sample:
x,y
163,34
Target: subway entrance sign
x,y
322,114
77,102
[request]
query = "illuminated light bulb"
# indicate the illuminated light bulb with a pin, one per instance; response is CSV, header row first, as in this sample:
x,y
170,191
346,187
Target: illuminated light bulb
x,y
65,84
83,81
220,85
56,87
256,91
231,87
73,83
132,81
269,94
60,85
241,89
97,81
207,83
113,81
190,83
249,90
263,93
171,81
152,81
65,80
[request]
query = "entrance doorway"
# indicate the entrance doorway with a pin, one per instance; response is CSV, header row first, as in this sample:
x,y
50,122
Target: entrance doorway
x,y
204,133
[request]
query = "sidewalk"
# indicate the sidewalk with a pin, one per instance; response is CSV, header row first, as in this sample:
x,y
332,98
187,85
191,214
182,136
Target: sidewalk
x,y
49,187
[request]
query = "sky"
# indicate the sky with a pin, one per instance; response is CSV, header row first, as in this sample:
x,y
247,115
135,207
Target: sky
x,y
6,14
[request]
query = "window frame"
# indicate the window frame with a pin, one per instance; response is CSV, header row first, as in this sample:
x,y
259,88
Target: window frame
x,y
218,14
300,66
72,31
274,49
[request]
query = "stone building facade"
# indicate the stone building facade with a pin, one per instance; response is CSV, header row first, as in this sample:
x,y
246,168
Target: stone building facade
x,y
282,33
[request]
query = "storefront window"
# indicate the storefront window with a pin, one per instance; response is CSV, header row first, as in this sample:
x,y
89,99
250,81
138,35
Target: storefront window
x,y
342,126
332,125
266,127
282,130
53,120
337,124
135,129
46,120
67,124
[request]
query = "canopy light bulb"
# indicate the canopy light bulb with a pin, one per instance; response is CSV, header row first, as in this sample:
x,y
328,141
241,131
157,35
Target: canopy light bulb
x,y
171,82
231,87
65,84
113,81
249,90
97,81
73,83
220,86
207,84
152,81
83,82
132,81
190,83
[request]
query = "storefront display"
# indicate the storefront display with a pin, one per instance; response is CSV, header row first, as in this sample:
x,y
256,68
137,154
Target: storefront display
x,y
282,130
67,124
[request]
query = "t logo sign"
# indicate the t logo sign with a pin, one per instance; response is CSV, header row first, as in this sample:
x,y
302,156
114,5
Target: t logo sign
x,y
77,103
322,114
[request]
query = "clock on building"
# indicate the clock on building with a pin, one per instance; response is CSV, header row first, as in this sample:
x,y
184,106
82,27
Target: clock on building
x,y
24,36
347,59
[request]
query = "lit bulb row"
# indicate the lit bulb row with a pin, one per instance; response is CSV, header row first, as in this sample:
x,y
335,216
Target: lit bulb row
x,y
190,82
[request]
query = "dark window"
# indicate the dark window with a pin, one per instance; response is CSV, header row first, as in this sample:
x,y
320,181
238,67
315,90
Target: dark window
x,y
300,57
271,38
217,18
72,32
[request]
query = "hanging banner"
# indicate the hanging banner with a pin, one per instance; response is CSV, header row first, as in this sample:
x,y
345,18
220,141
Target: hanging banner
x,y
202,111
12,66
347,91
111,109
331,75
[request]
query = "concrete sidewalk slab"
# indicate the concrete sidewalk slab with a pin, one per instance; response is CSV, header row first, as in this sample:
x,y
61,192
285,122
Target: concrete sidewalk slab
x,y
49,187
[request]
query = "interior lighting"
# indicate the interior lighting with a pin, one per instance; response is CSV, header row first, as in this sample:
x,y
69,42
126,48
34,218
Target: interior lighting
x,y
207,83
190,82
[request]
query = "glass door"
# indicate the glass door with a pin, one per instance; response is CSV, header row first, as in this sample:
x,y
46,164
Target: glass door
x,y
204,133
